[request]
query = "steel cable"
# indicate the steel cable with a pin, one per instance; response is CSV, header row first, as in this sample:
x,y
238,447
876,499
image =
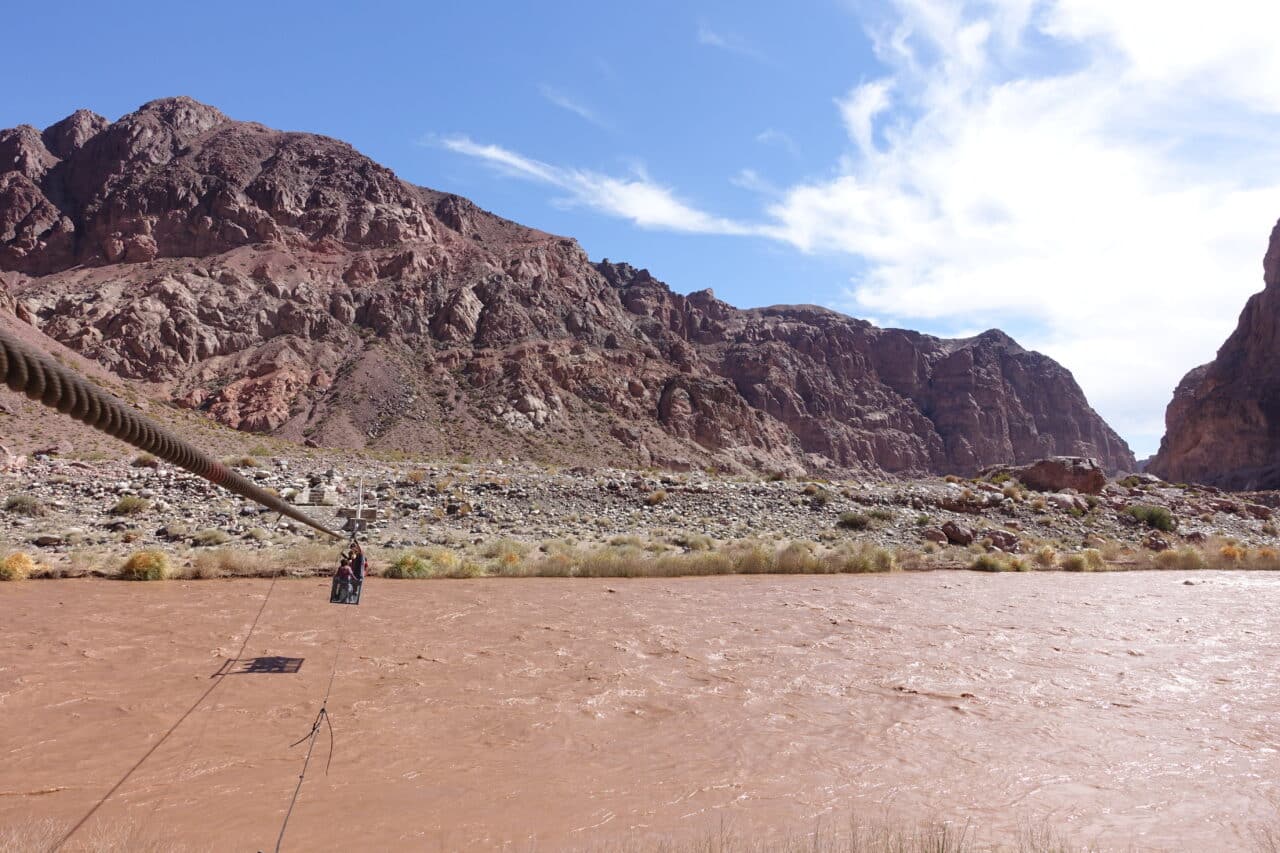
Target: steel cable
x,y
30,373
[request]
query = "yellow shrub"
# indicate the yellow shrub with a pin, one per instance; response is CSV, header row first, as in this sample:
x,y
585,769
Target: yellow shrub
x,y
17,566
145,566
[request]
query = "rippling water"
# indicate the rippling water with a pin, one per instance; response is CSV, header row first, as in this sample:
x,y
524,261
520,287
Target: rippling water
x,y
1131,711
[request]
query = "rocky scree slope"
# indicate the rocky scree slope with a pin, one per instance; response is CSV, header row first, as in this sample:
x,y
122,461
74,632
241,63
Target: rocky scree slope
x,y
284,283
1223,426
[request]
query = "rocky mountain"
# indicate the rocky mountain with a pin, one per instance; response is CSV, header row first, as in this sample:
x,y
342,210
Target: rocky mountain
x,y
284,283
1223,426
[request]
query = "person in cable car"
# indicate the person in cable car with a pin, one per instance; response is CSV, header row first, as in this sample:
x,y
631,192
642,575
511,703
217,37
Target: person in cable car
x,y
346,583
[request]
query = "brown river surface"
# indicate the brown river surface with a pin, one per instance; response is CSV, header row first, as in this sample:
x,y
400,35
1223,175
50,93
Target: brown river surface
x,y
1128,710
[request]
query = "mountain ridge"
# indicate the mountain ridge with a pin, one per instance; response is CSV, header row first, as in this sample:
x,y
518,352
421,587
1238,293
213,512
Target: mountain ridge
x,y
284,283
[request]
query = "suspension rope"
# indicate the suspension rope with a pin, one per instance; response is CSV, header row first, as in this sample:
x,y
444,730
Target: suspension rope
x,y
219,677
321,717
28,372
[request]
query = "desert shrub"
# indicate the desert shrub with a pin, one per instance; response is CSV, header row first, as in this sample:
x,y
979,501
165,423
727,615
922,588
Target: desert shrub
x,y
16,566
988,563
1012,491
1131,482
1269,529
797,558
923,520
952,478
145,460
221,562
145,566
257,534
881,513
1039,505
28,505
1182,558
260,450
1045,556
416,477
1155,517
619,541
749,558
860,559
240,462
1088,560
1230,553
499,548
1265,558
854,521
656,498
821,499
210,537
1001,477
408,565
693,541
130,505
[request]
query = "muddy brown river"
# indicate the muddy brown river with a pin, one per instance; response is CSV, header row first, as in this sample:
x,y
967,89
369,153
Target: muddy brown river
x,y
1129,711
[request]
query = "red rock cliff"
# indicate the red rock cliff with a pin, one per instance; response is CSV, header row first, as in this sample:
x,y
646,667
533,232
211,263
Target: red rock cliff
x,y
1223,425
285,283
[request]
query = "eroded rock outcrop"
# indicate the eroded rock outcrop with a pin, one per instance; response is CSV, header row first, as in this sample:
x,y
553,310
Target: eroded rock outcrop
x,y
1223,426
284,283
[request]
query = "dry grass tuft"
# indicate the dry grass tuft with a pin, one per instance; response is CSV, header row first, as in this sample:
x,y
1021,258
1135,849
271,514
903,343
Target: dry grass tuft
x,y
130,505
656,498
27,505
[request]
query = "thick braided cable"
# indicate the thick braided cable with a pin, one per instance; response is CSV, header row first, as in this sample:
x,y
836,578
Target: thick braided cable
x,y
30,373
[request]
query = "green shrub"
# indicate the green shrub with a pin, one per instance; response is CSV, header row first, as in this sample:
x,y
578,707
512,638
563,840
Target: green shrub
x,y
145,566
1156,517
408,565
881,513
130,505
210,537
27,505
854,521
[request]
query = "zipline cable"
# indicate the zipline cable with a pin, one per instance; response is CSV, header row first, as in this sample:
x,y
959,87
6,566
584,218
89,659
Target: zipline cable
x,y
28,372
321,717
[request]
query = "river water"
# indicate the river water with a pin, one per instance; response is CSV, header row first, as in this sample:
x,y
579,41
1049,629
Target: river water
x,y
1124,710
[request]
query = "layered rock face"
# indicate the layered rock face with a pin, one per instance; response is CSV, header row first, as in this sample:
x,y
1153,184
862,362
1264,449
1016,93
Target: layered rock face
x,y
1223,426
284,283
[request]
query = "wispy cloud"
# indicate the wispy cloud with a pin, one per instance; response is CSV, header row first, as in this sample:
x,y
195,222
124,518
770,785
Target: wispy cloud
x,y
779,138
636,199
731,42
569,104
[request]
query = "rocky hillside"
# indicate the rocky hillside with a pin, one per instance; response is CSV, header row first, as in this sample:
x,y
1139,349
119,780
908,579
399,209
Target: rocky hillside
x,y
1223,426
284,283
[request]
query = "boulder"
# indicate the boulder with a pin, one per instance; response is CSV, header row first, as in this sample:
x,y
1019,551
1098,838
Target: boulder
x,y
957,534
1083,474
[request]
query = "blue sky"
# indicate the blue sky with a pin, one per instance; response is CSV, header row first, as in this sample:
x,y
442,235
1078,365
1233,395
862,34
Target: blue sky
x,y
1098,179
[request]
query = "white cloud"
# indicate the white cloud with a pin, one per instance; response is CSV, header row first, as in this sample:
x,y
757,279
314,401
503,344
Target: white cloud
x,y
564,102
859,110
636,198
1112,215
